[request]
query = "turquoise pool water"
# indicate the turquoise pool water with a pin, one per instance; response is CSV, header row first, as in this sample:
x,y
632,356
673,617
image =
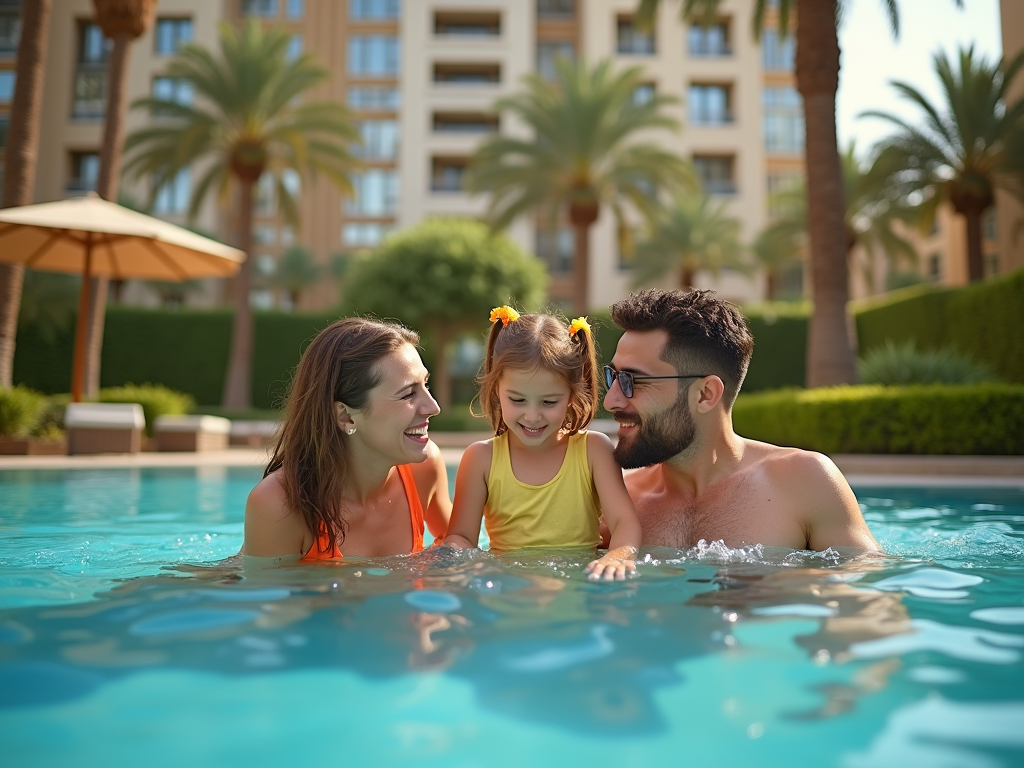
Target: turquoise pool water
x,y
126,638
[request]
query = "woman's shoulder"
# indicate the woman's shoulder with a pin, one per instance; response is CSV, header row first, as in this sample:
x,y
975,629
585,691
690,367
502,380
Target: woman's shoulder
x,y
272,527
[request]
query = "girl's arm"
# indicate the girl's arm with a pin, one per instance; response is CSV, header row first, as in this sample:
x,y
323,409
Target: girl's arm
x,y
432,485
470,497
617,510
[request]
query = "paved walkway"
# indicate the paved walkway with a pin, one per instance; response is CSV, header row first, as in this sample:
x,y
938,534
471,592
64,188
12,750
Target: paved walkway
x,y
1003,471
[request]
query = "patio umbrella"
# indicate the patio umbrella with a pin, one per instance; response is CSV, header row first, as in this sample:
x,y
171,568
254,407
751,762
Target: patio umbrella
x,y
92,237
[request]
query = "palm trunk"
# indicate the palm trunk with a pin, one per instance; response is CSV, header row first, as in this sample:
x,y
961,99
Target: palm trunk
x,y
686,279
20,162
830,346
582,215
106,187
772,284
441,378
238,384
975,256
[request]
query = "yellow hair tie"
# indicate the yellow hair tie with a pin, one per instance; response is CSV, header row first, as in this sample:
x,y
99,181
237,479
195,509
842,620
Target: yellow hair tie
x,y
579,324
506,314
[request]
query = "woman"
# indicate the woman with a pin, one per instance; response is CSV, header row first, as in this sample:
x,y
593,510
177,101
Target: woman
x,y
353,471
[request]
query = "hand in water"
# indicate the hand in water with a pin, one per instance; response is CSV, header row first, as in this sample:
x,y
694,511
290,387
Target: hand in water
x,y
614,566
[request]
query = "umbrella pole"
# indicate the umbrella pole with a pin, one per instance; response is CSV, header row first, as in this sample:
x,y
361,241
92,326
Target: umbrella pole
x,y
78,368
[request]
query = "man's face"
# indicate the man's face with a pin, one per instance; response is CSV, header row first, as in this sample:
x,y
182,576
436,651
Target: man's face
x,y
655,424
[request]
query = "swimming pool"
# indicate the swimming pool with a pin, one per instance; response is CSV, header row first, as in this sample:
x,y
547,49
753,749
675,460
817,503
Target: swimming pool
x,y
124,641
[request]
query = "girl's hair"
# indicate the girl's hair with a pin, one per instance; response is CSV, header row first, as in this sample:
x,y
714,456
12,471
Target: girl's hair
x,y
541,341
340,365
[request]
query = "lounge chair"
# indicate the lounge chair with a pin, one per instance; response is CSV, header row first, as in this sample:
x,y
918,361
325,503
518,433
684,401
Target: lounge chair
x,y
104,427
191,433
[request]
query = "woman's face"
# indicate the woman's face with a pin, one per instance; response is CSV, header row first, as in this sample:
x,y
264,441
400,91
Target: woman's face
x,y
393,423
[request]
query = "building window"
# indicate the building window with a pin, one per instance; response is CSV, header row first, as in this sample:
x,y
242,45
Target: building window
x,y
376,193
173,196
467,74
467,24
264,234
266,196
556,9
709,41
295,9
373,56
992,264
85,172
783,121
7,78
555,247
175,89
380,140
364,234
633,42
287,235
715,173
625,245
266,9
780,181
5,123
935,267
373,98
465,122
548,52
447,173
710,105
295,45
10,31
777,53
643,94
373,9
989,225
90,91
170,34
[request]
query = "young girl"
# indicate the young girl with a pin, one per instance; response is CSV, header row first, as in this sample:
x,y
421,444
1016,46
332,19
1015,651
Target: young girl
x,y
543,481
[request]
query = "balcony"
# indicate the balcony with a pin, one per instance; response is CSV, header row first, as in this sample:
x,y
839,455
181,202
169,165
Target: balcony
x,y
467,25
448,174
472,75
464,123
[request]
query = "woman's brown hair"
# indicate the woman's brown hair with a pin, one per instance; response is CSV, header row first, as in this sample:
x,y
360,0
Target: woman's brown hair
x,y
533,341
340,365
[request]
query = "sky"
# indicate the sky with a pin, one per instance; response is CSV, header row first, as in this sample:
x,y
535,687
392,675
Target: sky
x,y
870,58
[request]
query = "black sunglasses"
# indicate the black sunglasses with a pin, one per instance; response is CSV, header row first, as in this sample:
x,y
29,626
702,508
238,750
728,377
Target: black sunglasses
x,y
626,379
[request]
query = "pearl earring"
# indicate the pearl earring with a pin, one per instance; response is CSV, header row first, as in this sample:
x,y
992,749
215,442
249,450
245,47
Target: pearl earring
x,y
350,431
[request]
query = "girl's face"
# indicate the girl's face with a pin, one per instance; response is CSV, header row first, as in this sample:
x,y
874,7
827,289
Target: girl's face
x,y
533,403
394,421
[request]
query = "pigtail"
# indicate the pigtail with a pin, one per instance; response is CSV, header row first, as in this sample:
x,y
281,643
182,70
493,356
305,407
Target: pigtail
x,y
490,403
583,409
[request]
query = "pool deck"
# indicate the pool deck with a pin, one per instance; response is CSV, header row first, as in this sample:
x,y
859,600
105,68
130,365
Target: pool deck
x,y
860,470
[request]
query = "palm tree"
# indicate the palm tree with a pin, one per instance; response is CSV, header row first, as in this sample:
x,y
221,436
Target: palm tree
x,y
296,271
774,252
123,21
20,161
251,121
830,349
583,154
871,208
694,234
963,149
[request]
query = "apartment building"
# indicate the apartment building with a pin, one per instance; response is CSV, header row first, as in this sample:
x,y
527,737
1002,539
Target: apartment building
x,y
422,77
10,32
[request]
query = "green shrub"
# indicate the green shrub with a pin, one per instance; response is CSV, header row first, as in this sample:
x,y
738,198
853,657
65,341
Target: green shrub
x,y
156,400
457,418
902,364
981,419
21,409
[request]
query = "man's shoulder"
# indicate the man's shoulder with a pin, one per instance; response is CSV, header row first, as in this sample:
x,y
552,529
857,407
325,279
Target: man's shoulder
x,y
790,463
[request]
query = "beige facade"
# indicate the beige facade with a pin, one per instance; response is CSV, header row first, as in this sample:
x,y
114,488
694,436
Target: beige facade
x,y
1010,211
422,77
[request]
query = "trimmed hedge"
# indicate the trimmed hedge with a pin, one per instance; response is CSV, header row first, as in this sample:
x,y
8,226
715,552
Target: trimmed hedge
x,y
986,419
185,350
984,320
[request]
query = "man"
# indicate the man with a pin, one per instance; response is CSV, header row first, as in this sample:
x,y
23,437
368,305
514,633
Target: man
x,y
671,386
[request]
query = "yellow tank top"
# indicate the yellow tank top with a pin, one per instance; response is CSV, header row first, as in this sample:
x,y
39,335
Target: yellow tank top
x,y
563,512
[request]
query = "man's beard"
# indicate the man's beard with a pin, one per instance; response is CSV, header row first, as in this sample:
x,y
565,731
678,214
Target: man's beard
x,y
659,438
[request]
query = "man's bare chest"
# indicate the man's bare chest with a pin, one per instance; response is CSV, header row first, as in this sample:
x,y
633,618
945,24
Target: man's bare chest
x,y
739,515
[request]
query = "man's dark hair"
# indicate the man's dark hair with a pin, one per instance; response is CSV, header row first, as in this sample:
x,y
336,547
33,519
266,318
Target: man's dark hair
x,y
705,333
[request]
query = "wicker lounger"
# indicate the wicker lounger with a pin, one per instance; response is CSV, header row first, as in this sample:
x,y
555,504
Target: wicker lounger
x,y
104,428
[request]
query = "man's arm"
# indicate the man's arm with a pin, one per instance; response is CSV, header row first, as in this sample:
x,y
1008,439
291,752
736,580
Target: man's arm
x,y
831,515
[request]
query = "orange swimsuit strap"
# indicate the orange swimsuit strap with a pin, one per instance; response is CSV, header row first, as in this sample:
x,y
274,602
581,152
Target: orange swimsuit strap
x,y
316,552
